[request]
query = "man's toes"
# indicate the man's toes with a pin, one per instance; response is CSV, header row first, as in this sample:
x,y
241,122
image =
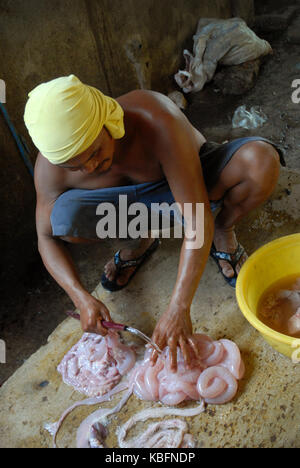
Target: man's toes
x,y
109,271
227,269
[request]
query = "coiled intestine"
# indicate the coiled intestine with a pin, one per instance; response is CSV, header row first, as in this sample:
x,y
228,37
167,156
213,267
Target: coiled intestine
x,y
95,364
211,378
159,383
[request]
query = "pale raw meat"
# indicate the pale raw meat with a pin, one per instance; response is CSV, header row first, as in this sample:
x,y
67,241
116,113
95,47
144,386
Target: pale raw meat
x,y
293,324
212,378
232,359
88,424
171,433
216,356
98,434
293,297
95,364
280,310
217,385
158,383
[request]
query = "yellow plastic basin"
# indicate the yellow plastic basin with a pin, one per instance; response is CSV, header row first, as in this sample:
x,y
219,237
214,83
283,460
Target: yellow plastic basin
x,y
267,265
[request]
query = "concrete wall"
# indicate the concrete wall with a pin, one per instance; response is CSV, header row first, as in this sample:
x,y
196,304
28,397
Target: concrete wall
x,y
116,45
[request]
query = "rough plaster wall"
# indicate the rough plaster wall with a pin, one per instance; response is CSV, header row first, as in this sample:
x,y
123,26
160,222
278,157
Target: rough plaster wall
x,y
17,211
266,6
243,9
116,45
151,37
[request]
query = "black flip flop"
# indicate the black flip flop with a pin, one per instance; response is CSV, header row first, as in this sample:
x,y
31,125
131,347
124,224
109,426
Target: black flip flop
x,y
113,286
233,259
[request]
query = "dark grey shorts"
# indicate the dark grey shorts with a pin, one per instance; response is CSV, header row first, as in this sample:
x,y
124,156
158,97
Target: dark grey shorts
x,y
74,212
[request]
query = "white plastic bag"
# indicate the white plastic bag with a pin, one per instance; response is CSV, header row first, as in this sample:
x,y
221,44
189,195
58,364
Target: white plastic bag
x,y
249,120
228,42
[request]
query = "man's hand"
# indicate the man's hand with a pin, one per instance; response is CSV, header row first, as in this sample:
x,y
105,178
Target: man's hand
x,y
175,329
92,312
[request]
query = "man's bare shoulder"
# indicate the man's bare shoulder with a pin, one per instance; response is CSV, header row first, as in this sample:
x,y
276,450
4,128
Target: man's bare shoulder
x,y
158,117
151,104
49,180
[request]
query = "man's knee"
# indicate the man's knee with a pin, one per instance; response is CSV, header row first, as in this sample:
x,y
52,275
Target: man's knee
x,y
78,240
262,166
69,239
72,220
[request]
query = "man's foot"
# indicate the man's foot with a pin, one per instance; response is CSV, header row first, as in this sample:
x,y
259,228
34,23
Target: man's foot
x,y
225,241
120,275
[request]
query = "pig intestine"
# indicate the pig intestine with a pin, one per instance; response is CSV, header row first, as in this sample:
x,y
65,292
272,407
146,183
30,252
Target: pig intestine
x,y
213,375
95,365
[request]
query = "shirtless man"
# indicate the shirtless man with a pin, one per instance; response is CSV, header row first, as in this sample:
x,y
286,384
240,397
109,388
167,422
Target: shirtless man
x,y
159,144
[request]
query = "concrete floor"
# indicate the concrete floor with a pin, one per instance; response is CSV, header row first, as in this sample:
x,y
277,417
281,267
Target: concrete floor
x,y
265,412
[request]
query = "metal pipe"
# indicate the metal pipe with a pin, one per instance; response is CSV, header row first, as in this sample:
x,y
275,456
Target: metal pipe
x,y
20,144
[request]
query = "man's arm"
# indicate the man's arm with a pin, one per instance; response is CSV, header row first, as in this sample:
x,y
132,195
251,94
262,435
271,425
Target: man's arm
x,y
57,258
178,154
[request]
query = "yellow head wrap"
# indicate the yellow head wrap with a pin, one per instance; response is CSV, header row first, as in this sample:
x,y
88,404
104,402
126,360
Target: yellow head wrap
x,y
65,116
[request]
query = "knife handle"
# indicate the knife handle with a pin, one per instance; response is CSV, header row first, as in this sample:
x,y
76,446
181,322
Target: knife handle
x,y
113,325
